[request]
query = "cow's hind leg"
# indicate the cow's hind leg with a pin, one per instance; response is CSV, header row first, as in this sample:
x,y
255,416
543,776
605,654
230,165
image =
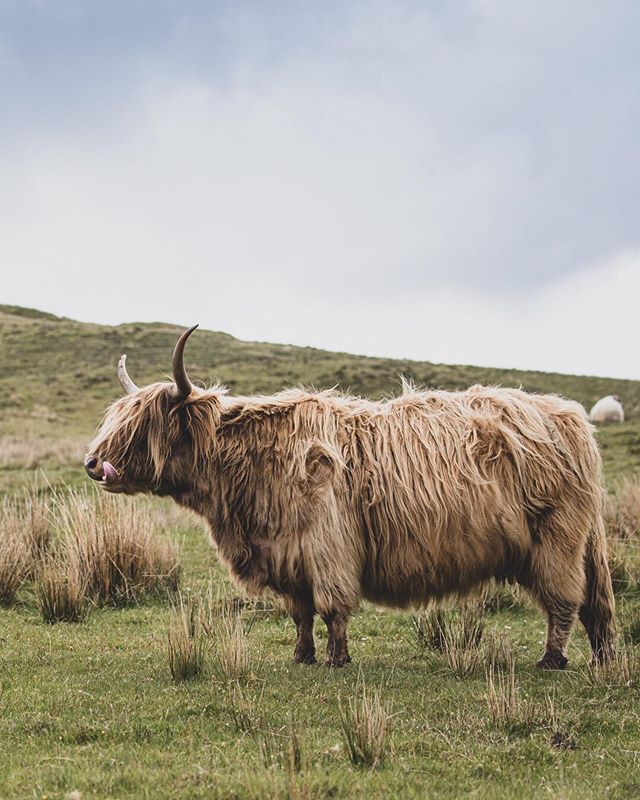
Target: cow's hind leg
x,y
337,649
554,573
557,581
561,614
302,612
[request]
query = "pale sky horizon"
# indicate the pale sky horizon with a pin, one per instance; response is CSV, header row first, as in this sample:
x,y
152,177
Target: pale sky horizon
x,y
456,184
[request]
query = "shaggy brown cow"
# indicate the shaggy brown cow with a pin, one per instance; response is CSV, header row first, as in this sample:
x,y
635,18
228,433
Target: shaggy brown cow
x,y
327,499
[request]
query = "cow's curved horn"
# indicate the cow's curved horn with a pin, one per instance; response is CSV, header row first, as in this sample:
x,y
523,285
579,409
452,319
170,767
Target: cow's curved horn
x,y
183,384
127,384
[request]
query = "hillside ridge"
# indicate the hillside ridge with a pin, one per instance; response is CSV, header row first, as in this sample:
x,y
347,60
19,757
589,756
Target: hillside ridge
x,y
57,375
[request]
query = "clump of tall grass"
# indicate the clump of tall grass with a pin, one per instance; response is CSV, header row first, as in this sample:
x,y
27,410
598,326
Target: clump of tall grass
x,y
497,597
463,655
103,551
37,522
15,561
365,723
232,652
428,629
436,629
623,523
60,590
497,651
24,539
507,709
624,565
282,750
502,694
623,510
221,600
622,670
243,708
185,642
457,634
115,543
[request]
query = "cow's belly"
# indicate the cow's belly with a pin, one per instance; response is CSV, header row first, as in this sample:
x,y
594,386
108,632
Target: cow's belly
x,y
416,569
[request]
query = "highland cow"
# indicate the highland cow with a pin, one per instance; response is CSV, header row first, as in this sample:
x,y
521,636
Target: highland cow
x,y
328,499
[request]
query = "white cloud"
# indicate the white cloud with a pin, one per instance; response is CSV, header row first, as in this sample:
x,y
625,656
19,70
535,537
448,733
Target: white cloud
x,y
584,324
407,184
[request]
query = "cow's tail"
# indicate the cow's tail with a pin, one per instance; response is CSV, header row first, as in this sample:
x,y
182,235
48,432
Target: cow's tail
x,y
598,608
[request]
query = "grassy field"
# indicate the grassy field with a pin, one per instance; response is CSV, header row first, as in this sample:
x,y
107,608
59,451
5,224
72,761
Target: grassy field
x,y
91,709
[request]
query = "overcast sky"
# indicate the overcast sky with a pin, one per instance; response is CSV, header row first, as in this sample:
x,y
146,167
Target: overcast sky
x,y
452,181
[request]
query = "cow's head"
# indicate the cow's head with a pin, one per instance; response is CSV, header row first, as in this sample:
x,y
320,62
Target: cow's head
x,y
154,438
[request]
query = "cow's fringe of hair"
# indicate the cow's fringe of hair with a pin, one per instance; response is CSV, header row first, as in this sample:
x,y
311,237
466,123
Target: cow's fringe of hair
x,y
151,416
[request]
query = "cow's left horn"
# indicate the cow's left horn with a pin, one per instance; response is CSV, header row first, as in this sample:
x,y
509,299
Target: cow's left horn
x,y
183,384
127,384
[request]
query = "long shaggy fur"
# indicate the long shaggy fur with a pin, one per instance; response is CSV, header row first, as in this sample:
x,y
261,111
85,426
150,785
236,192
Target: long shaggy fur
x,y
328,499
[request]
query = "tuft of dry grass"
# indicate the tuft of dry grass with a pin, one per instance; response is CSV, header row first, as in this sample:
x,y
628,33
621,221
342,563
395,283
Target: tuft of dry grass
x,y
428,629
438,630
623,510
497,651
457,634
365,724
623,670
624,565
185,642
282,750
502,694
463,656
24,538
60,590
233,654
243,708
15,560
497,597
507,710
115,543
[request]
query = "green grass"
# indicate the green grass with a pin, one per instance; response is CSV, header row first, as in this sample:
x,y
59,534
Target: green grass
x,y
92,708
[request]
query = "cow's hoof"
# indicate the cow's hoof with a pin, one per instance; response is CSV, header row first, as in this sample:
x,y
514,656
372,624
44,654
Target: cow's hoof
x,y
334,661
552,661
305,658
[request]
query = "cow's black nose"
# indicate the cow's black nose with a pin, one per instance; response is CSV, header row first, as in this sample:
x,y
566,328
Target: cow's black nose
x,y
90,462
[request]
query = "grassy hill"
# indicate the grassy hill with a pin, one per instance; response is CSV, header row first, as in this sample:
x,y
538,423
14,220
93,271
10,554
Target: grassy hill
x,y
57,375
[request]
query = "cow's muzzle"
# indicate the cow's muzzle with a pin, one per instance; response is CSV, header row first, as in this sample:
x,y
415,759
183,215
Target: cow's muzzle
x,y
101,471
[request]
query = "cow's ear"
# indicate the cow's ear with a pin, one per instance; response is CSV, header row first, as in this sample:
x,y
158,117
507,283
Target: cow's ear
x,y
321,462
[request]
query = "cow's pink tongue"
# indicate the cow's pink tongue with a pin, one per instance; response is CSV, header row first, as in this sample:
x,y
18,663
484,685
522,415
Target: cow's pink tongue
x,y
109,472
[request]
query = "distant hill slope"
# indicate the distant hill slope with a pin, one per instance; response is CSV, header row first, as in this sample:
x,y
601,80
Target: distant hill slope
x,y
57,375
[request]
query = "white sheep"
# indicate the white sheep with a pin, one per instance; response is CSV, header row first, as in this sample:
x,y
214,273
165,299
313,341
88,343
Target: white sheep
x,y
607,409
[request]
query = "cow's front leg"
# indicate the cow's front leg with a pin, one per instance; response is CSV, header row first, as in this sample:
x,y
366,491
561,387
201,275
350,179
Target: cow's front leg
x,y
337,650
302,612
